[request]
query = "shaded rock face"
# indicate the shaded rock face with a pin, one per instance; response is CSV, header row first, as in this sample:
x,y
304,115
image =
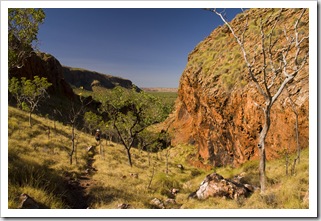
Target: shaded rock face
x,y
214,185
45,65
217,110
89,79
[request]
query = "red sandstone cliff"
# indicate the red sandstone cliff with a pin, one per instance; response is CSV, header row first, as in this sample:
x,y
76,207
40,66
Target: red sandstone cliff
x,y
216,107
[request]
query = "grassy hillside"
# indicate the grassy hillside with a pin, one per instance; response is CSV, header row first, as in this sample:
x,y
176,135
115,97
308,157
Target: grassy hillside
x,y
39,166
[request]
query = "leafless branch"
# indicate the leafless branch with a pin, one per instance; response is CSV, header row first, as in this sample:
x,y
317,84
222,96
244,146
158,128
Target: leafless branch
x,y
267,94
271,45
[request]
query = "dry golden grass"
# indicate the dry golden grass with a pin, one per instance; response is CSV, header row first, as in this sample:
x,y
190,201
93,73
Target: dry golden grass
x,y
38,163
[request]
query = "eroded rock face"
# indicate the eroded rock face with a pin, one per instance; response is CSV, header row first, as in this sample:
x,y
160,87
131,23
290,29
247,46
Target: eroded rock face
x,y
89,79
217,106
214,185
45,65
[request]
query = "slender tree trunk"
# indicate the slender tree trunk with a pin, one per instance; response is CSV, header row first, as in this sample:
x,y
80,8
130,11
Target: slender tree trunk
x,y
70,158
297,137
129,157
30,119
296,126
286,162
49,132
73,143
148,153
166,164
101,150
55,129
76,145
151,177
261,147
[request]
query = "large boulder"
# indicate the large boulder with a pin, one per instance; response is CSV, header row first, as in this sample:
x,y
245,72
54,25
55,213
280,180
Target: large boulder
x,y
214,185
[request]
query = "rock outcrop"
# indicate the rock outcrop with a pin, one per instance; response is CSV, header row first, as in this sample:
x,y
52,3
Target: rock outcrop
x,y
45,65
214,185
217,106
26,202
89,79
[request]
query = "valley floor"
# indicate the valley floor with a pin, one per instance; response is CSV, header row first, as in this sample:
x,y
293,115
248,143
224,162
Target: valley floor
x,y
39,166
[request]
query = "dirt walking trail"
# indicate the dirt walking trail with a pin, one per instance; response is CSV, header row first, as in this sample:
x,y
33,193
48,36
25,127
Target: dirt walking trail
x,y
78,188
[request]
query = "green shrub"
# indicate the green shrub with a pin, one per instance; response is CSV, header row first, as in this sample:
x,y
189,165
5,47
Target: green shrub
x,y
165,182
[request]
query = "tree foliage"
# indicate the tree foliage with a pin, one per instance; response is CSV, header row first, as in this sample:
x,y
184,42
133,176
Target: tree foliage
x,y
28,93
130,113
93,121
23,26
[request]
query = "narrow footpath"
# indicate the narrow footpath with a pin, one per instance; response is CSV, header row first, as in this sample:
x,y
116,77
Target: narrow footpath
x,y
78,188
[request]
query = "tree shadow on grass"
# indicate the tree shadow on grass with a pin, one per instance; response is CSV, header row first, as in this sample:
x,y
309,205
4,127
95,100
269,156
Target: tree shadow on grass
x,y
27,173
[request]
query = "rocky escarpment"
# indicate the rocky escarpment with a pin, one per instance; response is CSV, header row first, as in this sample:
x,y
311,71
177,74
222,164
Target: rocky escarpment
x,y
88,79
217,109
44,65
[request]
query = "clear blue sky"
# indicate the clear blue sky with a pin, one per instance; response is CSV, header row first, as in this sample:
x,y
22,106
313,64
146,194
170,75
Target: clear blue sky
x,y
147,46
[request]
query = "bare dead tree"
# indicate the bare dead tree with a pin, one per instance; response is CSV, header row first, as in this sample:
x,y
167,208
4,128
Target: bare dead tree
x,y
276,67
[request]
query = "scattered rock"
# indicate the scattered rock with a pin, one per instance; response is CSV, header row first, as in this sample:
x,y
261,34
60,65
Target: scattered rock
x,y
135,175
157,203
214,185
170,202
192,195
26,202
174,191
90,149
123,206
180,166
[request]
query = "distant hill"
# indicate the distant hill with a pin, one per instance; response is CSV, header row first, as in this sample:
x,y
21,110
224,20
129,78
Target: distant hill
x,y
159,89
88,79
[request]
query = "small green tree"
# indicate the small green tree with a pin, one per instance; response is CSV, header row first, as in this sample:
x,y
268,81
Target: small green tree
x,y
92,121
130,113
76,110
29,93
15,90
23,26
